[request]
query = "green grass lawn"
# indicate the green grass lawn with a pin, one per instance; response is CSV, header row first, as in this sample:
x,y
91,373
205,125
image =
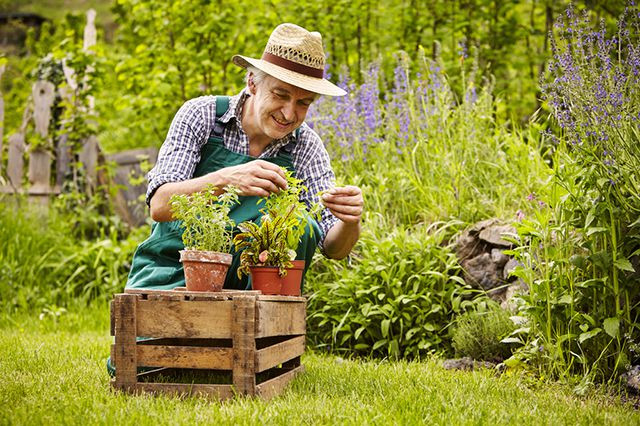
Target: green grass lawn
x,y
52,372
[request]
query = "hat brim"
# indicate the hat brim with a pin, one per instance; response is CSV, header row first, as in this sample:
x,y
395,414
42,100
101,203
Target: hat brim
x,y
312,84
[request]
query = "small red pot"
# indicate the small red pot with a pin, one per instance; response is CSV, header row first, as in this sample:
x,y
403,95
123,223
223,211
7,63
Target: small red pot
x,y
292,281
267,279
205,270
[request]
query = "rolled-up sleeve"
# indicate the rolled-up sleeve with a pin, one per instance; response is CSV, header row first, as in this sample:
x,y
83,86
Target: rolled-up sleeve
x,y
180,152
313,166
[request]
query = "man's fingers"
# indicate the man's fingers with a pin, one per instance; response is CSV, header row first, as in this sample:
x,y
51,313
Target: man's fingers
x,y
257,191
344,190
271,176
343,209
352,200
267,165
265,184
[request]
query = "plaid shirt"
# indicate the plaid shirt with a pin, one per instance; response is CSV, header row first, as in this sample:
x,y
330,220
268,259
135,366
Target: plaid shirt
x,y
190,131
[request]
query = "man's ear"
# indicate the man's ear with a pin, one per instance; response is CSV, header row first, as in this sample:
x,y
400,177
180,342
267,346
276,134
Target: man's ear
x,y
251,84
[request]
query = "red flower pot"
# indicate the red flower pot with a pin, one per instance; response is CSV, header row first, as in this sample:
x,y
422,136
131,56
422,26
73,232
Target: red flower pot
x,y
292,281
267,279
204,270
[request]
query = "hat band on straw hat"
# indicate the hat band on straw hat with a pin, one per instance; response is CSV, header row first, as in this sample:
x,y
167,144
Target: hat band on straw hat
x,y
292,66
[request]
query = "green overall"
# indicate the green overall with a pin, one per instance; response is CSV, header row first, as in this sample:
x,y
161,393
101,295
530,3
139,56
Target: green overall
x,y
156,262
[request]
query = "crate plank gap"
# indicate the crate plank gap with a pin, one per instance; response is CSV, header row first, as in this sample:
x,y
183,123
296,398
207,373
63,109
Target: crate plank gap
x,y
245,342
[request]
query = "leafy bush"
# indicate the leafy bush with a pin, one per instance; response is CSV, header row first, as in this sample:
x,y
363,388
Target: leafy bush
x,y
396,298
478,333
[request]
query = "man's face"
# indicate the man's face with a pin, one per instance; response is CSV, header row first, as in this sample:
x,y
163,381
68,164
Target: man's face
x,y
278,107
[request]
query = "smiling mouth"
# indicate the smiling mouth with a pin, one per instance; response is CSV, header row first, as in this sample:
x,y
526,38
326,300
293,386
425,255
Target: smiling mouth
x,y
281,123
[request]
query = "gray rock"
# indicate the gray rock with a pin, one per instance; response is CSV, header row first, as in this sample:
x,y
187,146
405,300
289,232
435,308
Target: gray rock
x,y
518,287
493,234
476,228
483,272
508,268
632,379
468,246
466,364
498,257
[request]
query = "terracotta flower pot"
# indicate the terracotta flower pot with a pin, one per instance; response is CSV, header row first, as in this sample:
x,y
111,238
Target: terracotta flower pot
x,y
204,270
266,279
291,282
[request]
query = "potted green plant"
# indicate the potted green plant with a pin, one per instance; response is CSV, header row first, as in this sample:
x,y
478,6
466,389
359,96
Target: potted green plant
x,y
207,236
270,247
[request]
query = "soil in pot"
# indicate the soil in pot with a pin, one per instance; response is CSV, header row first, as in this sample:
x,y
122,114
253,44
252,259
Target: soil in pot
x,y
204,270
266,279
292,281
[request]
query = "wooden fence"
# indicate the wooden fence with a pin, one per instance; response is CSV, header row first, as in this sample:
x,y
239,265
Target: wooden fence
x,y
39,162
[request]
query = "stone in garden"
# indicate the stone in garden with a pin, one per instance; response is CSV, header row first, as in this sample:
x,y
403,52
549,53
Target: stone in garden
x,y
632,379
480,251
483,271
493,234
498,257
514,289
510,267
466,364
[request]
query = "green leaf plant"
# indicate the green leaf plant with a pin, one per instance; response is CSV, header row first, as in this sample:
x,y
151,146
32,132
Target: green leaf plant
x,y
273,242
205,218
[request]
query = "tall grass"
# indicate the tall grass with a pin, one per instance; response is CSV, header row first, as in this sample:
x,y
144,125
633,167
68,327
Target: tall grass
x,y
423,153
46,264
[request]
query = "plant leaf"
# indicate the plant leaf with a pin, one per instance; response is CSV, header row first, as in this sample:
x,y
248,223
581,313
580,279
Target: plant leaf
x,y
384,327
624,265
589,334
612,326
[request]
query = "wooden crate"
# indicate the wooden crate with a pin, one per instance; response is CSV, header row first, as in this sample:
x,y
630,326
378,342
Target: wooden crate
x,y
254,341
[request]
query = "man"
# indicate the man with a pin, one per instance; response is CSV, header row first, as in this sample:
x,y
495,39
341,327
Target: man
x,y
243,141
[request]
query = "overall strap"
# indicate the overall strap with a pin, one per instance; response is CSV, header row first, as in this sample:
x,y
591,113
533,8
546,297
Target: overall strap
x,y
288,148
222,105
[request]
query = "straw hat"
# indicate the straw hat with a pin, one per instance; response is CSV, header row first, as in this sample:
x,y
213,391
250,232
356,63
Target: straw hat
x,y
295,56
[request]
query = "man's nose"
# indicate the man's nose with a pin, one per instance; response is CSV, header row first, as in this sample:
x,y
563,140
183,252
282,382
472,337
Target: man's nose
x,y
288,111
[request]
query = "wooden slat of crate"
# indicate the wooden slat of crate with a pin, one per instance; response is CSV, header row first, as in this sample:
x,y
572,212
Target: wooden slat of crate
x,y
195,319
207,390
280,318
275,386
281,298
244,344
185,357
276,354
125,341
178,295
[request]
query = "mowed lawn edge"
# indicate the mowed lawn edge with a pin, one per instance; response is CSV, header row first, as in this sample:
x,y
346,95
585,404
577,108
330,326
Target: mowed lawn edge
x,y
53,371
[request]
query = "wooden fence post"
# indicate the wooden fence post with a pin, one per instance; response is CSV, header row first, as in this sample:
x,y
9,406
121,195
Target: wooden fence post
x,y
15,163
2,68
40,159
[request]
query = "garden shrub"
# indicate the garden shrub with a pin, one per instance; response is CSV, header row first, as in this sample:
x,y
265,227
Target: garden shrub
x,y
396,298
478,334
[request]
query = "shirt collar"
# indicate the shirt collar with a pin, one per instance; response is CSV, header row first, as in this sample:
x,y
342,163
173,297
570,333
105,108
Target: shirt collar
x,y
235,111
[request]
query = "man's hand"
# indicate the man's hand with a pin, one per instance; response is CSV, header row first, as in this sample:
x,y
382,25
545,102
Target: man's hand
x,y
256,177
345,203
